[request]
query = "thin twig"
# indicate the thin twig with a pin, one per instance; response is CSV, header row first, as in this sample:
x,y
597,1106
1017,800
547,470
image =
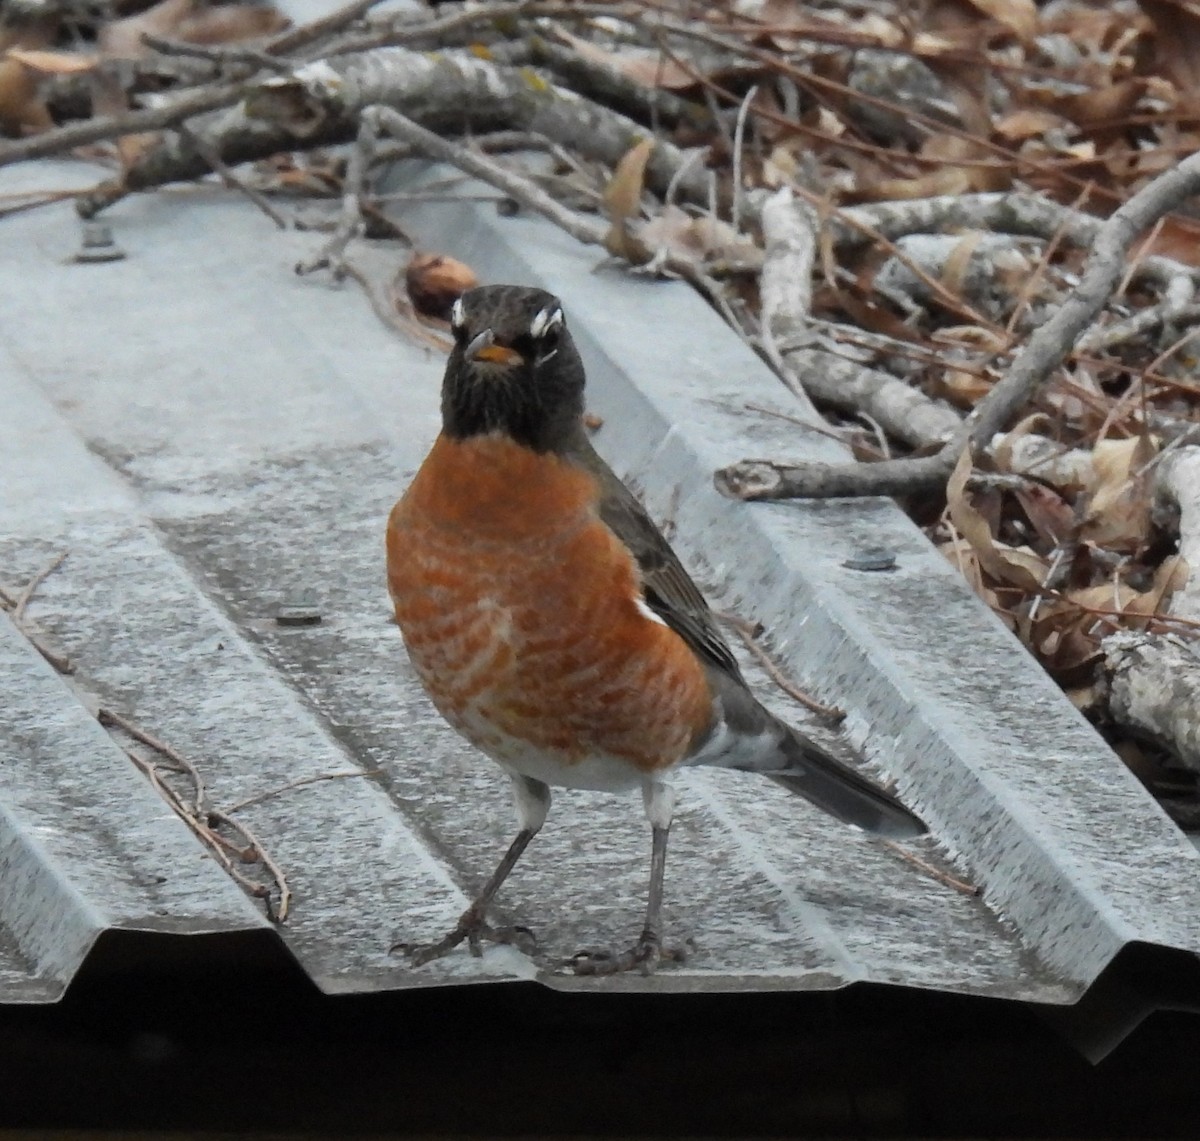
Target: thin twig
x,y
748,633
108,717
278,913
437,31
407,325
514,185
294,39
216,53
27,591
928,868
739,139
33,634
127,123
200,817
350,224
1044,352
215,843
212,156
259,797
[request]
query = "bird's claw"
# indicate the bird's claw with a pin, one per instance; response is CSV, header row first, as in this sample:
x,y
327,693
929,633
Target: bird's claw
x,y
645,956
475,931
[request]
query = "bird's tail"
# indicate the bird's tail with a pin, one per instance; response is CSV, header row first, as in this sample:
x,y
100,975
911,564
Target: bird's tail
x,y
839,790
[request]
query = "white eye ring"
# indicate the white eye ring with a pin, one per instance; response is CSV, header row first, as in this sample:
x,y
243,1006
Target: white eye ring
x,y
545,320
458,314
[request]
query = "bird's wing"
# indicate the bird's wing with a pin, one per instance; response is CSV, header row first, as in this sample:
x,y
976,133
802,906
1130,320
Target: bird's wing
x,y
777,750
668,588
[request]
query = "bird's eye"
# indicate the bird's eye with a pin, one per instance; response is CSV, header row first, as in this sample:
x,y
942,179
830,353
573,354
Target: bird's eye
x,y
458,315
546,325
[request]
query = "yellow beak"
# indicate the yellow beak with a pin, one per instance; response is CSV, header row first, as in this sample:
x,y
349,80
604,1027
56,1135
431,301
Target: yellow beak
x,y
499,354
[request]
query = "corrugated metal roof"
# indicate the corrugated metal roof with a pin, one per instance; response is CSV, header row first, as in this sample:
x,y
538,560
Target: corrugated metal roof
x,y
208,435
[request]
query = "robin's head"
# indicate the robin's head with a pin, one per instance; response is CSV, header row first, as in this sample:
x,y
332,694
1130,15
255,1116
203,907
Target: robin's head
x,y
514,368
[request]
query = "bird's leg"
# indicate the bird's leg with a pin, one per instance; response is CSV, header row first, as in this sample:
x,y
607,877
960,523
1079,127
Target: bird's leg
x,y
533,802
647,952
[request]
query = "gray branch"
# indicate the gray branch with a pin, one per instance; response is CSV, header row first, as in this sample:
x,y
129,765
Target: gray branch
x,y
1042,354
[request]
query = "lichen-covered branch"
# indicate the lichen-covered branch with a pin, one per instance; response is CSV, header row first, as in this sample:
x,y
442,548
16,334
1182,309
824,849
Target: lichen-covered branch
x,y
1154,679
1045,351
450,93
790,234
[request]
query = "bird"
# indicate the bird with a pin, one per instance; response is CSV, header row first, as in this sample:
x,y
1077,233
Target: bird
x,y
553,626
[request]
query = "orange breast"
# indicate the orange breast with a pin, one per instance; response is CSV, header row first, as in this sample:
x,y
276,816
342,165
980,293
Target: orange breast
x,y
520,612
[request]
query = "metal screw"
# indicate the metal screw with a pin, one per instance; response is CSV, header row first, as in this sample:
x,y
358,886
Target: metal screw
x,y
298,612
98,244
872,559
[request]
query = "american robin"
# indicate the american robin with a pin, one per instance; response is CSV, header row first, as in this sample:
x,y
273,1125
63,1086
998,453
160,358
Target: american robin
x,y
553,626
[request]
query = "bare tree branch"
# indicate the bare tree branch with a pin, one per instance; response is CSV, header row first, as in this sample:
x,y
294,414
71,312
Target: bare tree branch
x,y
1043,353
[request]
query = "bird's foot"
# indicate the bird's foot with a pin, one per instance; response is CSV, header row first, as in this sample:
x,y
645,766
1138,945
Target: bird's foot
x,y
473,929
645,956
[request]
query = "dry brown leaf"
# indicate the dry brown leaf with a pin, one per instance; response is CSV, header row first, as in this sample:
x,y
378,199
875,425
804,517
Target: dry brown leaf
x,y
961,555
1172,575
54,63
1177,43
1019,16
1029,123
1067,644
1101,104
1011,566
1050,515
963,389
1179,238
122,39
231,24
651,69
985,340
434,282
623,201
1120,498
21,108
958,262
1135,605
946,180
1002,450
698,239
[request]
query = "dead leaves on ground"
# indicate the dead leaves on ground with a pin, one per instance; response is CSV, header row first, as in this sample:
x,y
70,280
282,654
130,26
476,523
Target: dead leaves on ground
x,y
34,51
1065,553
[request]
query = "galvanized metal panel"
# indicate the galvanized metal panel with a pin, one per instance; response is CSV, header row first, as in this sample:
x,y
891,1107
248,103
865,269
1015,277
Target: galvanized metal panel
x,y
209,435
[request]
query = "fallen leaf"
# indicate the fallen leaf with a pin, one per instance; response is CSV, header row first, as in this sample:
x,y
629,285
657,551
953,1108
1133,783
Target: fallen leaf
x,y
699,239
1177,237
1049,514
1119,504
22,111
623,201
122,39
54,63
937,182
1010,566
1176,43
963,389
650,69
231,24
958,262
1029,123
1019,16
434,282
